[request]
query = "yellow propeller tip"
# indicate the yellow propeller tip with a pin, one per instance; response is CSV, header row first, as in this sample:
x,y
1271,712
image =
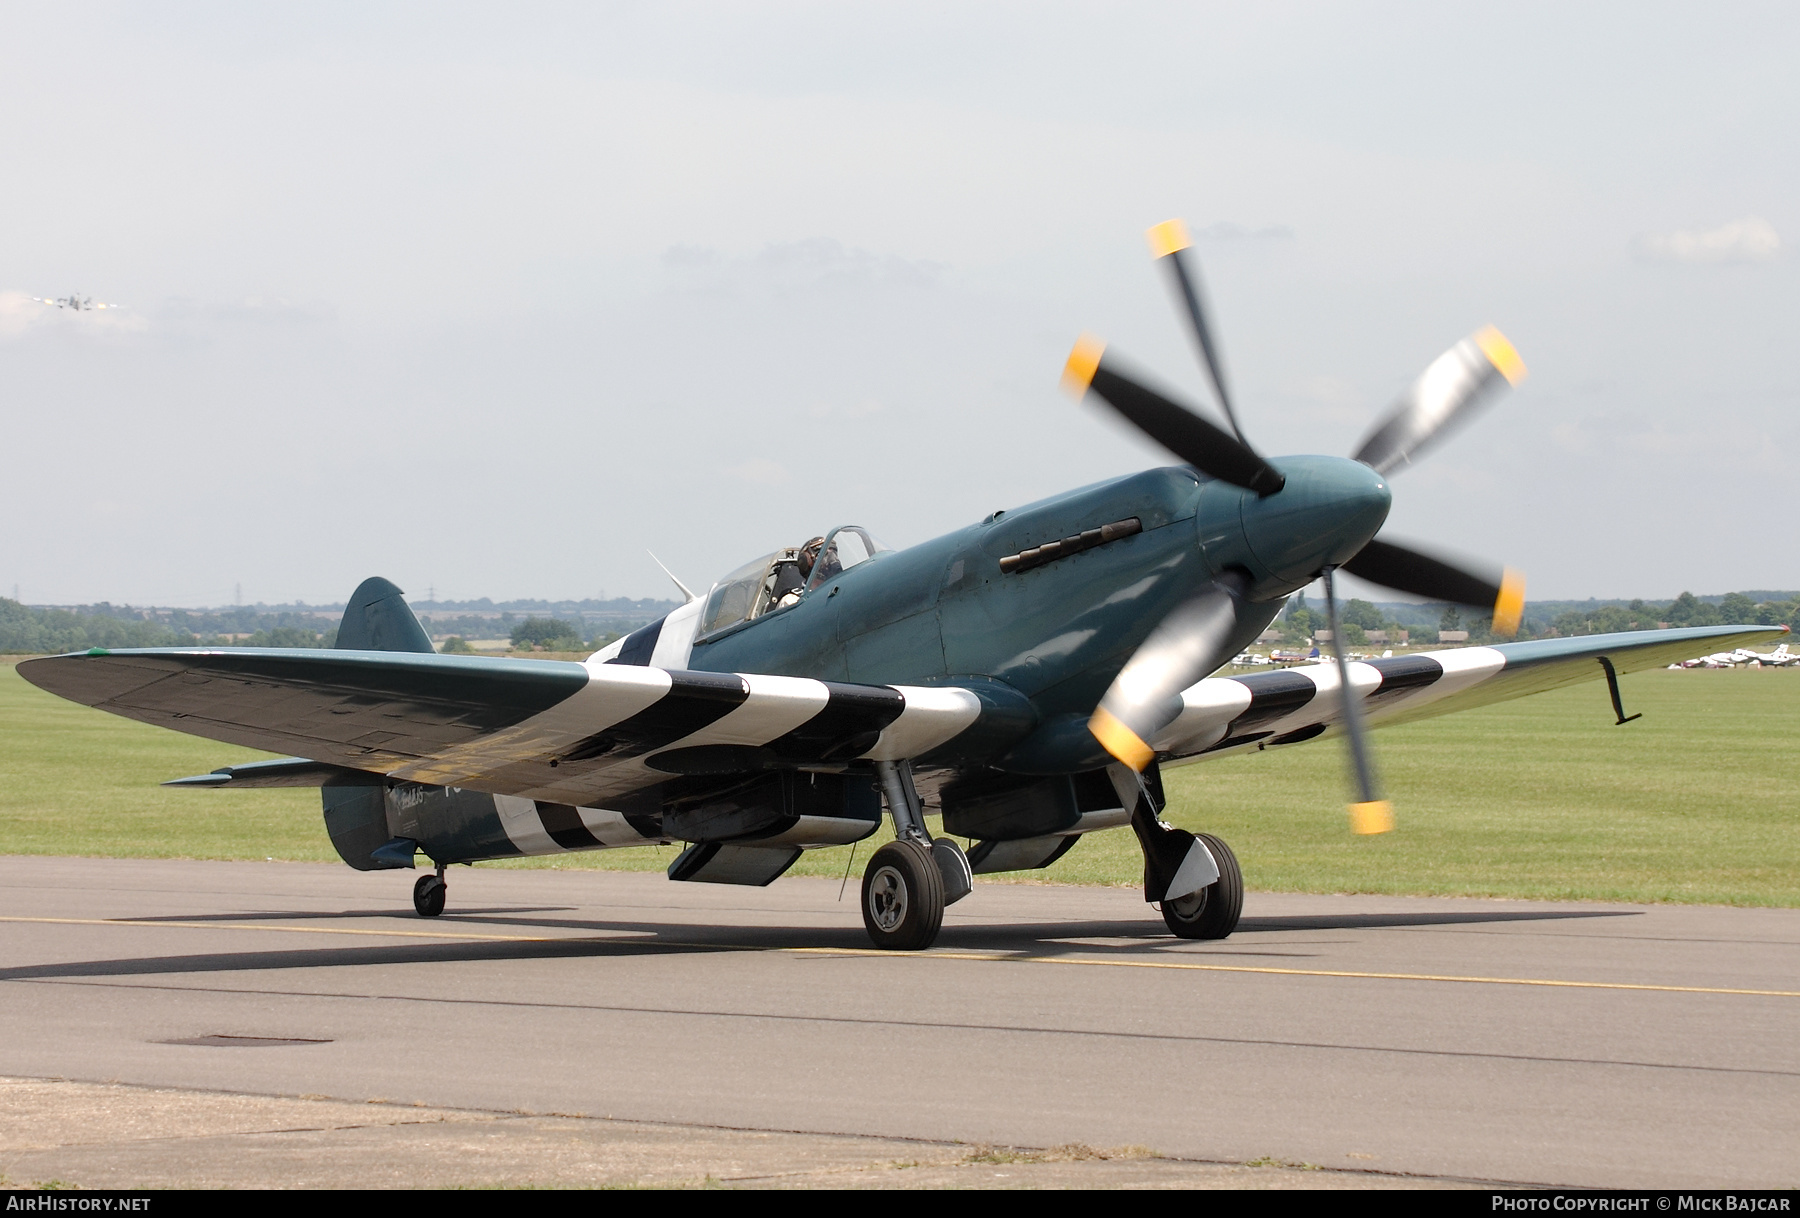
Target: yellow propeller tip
x,y
1084,361
1376,816
1501,354
1167,238
1509,607
1120,740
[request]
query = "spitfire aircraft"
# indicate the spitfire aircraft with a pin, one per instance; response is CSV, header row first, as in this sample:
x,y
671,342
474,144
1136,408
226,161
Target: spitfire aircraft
x,y
1027,678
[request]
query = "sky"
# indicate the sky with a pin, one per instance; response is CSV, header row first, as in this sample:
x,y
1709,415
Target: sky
x,y
495,300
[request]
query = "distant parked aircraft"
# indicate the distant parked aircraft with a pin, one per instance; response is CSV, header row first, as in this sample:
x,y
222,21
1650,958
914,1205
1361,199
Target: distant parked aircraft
x,y
76,302
1778,658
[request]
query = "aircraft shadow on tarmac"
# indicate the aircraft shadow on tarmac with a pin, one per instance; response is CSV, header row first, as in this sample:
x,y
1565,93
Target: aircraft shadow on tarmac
x,y
1145,938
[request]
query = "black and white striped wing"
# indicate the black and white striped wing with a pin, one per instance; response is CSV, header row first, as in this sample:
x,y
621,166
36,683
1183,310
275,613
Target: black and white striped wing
x,y
579,734
1226,714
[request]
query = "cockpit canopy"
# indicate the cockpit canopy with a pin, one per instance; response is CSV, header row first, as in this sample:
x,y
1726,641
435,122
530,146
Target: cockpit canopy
x,y
780,579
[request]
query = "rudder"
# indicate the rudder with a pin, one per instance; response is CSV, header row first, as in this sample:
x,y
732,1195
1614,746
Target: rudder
x,y
378,618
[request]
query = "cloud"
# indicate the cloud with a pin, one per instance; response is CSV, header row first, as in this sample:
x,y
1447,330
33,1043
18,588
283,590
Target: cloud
x,y
760,471
856,410
1751,239
269,310
811,262
1225,230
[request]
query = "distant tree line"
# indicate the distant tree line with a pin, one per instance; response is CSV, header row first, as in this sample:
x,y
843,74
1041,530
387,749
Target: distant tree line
x,y
1685,610
558,634
25,630
507,625
1356,617
28,631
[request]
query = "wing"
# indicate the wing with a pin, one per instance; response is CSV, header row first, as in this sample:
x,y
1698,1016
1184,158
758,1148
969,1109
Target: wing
x,y
1226,714
579,734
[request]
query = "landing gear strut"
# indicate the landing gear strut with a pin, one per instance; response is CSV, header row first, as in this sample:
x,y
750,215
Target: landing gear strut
x,y
910,880
1199,870
428,894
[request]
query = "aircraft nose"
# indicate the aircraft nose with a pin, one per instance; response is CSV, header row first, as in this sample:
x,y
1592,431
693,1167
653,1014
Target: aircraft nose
x,y
1329,509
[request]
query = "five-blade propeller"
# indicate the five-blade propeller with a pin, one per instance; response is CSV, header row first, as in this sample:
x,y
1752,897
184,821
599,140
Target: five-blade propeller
x,y
1190,641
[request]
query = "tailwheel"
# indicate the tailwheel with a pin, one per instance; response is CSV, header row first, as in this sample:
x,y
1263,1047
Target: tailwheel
x,y
903,897
1213,912
428,895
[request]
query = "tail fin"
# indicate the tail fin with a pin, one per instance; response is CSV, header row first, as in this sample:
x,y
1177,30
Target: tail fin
x,y
378,619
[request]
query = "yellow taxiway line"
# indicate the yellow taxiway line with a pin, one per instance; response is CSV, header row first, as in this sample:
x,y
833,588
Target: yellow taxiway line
x,y
877,953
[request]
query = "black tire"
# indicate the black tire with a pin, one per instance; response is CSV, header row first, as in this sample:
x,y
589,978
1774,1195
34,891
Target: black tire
x,y
1213,912
903,897
428,896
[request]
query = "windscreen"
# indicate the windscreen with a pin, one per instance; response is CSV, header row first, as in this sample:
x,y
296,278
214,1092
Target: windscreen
x,y
734,598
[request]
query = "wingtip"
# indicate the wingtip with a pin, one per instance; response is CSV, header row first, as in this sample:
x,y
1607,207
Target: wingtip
x,y
1083,362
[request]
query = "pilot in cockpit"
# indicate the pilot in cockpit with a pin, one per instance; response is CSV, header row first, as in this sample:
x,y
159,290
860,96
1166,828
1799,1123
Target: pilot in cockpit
x,y
791,574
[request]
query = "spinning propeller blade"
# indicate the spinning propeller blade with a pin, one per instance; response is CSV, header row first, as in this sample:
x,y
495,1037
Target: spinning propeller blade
x,y
1167,241
1146,695
1445,395
1407,570
1369,813
1178,429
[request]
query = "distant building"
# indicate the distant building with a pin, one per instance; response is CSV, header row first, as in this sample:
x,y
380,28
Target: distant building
x,y
1388,636
1453,636
1271,635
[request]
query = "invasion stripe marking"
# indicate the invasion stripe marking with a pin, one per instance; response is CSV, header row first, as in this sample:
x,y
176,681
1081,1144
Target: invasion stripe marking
x,y
639,644
695,700
564,825
878,954
1401,676
851,722
1273,696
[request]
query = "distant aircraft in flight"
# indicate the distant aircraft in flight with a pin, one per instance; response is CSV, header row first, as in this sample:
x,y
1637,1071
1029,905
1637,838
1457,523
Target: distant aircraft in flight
x,y
76,302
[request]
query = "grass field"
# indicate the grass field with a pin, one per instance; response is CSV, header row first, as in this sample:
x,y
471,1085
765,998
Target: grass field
x,y
1698,801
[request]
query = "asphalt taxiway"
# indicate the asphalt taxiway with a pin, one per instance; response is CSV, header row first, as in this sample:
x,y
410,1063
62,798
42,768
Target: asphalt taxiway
x,y
1385,1040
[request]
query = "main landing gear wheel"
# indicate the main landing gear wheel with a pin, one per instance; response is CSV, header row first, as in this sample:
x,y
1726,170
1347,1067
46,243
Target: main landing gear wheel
x,y
1213,912
428,896
903,897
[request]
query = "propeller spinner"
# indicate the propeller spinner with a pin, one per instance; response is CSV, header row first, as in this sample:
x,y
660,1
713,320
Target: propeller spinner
x,y
1188,643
